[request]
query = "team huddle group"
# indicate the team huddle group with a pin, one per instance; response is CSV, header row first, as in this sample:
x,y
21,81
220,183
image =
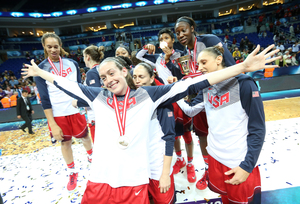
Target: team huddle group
x,y
138,106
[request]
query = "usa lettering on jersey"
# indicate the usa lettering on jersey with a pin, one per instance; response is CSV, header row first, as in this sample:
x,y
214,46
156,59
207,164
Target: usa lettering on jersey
x,y
217,101
64,72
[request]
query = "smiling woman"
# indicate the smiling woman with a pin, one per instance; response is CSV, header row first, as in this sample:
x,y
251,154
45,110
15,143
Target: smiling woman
x,y
124,172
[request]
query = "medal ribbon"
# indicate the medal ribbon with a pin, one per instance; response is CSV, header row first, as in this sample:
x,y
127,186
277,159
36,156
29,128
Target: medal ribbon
x,y
54,68
121,119
194,57
94,65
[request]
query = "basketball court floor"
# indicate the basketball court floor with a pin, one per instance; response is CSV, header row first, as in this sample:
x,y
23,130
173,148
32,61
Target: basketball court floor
x,y
32,170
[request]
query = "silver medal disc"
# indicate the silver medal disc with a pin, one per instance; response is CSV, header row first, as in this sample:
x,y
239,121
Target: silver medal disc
x,y
123,142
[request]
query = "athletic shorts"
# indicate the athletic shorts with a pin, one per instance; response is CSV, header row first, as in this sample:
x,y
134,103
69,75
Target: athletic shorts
x,y
183,123
246,192
162,198
102,193
92,130
71,125
200,125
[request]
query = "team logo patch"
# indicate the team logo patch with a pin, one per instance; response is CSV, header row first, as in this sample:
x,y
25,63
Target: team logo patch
x,y
92,81
255,94
170,114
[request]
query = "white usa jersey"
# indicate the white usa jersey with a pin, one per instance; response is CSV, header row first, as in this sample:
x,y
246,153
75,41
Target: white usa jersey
x,y
129,167
51,96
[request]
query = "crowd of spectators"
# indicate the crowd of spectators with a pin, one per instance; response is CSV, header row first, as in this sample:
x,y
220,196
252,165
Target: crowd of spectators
x,y
11,88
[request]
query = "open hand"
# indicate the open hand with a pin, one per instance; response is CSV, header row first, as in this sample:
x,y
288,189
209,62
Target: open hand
x,y
31,70
256,61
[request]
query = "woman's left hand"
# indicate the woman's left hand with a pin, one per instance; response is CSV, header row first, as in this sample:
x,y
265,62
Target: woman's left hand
x,y
256,61
164,183
31,70
240,175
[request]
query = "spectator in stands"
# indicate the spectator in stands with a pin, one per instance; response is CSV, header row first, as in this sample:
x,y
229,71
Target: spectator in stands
x,y
260,35
242,44
8,91
79,51
5,101
226,37
281,62
234,41
246,40
4,73
280,46
292,33
27,56
294,60
13,99
271,26
265,34
245,53
19,90
1,81
296,47
25,87
103,38
11,73
5,85
281,37
13,81
2,93
249,21
87,41
77,42
236,53
109,38
297,30
288,58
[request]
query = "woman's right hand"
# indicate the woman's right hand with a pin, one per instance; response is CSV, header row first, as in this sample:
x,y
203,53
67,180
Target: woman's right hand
x,y
172,79
74,103
150,48
57,133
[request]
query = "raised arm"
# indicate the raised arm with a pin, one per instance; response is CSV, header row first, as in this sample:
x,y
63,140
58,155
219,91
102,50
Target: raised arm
x,y
73,89
172,93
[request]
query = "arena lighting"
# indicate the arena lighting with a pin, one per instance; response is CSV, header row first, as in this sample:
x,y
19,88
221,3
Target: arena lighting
x,y
173,1
106,8
17,14
157,2
57,14
71,12
91,9
141,3
36,15
126,5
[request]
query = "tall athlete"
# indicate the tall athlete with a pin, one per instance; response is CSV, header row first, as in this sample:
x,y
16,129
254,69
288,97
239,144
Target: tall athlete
x,y
236,122
162,131
185,31
125,114
183,123
63,119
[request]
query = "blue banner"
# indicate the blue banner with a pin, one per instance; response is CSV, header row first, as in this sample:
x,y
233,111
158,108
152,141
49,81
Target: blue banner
x,y
217,31
75,47
237,29
105,44
38,52
13,53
